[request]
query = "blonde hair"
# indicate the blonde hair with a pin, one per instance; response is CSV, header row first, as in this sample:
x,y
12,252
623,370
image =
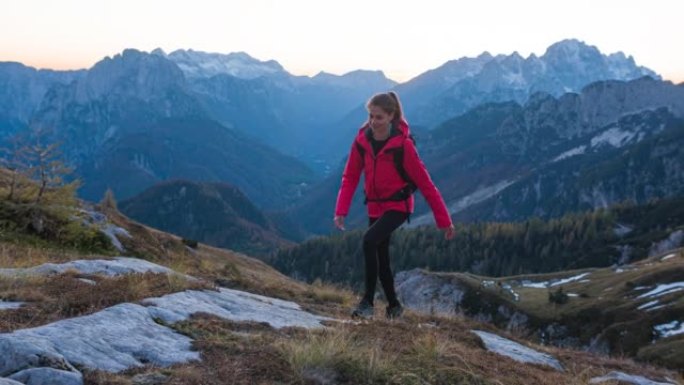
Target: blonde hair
x,y
388,102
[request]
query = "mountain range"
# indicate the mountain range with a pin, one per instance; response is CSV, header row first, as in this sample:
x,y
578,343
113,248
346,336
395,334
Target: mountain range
x,y
132,121
264,101
519,145
138,119
459,85
566,66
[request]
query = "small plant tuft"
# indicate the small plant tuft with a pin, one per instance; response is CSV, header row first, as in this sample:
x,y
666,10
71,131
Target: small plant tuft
x,y
108,201
558,297
191,243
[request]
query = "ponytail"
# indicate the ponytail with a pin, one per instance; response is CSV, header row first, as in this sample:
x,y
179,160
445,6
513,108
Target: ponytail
x,y
398,114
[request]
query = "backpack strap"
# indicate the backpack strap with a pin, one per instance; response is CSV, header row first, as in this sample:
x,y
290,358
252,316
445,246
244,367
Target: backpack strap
x,y
410,187
399,165
361,150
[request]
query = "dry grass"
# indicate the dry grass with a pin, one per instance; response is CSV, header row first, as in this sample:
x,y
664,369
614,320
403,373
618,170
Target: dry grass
x,y
317,351
223,267
13,255
49,299
104,378
232,353
327,293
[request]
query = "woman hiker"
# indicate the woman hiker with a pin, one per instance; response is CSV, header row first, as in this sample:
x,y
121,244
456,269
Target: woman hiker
x,y
386,153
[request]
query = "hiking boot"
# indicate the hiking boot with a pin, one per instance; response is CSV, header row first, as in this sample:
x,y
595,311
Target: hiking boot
x,y
363,310
395,311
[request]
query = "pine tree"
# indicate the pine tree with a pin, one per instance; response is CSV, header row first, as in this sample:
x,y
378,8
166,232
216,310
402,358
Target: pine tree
x,y
47,167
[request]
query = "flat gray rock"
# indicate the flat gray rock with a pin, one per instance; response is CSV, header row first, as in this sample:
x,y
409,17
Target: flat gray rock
x,y
428,293
114,339
628,378
114,267
514,350
7,381
234,305
48,376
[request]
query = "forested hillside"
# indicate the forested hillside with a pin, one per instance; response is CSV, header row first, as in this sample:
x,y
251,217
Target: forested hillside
x,y
601,238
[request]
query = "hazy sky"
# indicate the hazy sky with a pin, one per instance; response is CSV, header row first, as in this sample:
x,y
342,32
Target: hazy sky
x,y
401,38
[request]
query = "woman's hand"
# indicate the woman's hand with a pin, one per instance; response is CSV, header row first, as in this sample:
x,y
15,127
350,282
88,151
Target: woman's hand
x,y
449,232
339,222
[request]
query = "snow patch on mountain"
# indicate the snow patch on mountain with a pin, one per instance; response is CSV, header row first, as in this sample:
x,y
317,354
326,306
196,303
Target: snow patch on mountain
x,y
552,283
570,153
198,64
663,289
670,329
614,137
471,199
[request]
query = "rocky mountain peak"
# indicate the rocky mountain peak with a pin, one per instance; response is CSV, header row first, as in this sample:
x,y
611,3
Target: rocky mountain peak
x,y
159,52
570,48
22,90
132,73
354,79
198,64
566,66
515,56
576,57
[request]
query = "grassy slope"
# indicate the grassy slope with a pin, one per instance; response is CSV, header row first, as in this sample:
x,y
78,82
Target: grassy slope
x,y
419,349
604,302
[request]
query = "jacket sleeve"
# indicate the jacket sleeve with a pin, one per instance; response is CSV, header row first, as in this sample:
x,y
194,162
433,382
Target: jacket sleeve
x,y
418,173
350,179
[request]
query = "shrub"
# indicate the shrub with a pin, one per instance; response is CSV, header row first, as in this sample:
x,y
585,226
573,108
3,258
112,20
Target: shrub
x,y
56,226
190,243
558,296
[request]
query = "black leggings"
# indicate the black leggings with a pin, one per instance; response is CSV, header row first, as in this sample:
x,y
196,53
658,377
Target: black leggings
x,y
376,251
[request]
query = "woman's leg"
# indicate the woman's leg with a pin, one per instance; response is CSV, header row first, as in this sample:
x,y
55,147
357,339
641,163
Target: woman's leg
x,y
376,252
385,272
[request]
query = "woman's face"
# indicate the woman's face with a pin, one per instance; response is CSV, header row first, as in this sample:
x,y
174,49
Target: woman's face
x,y
378,118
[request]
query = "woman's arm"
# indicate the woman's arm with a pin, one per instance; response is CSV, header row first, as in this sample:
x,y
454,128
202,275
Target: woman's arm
x,y
350,179
418,173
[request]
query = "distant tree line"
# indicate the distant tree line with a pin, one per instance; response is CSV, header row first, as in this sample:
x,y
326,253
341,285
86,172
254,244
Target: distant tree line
x,y
578,240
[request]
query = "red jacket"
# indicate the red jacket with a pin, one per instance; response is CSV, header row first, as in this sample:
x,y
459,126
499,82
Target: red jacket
x,y
382,178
